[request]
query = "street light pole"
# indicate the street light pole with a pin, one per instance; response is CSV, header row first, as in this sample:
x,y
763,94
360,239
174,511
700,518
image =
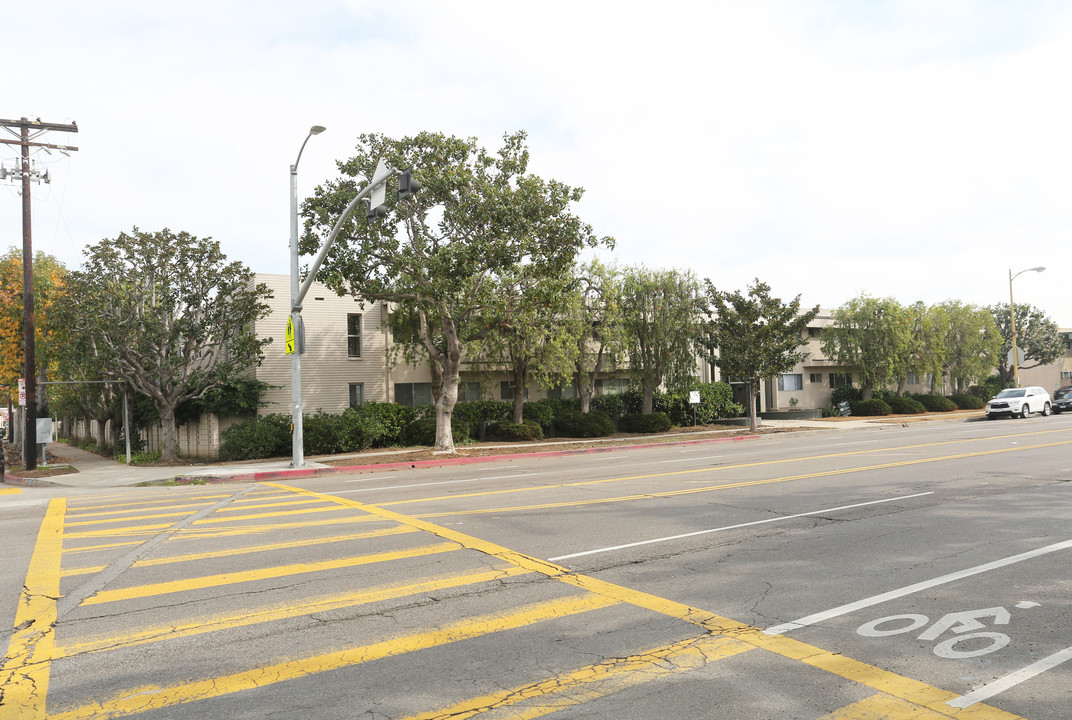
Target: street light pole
x,y
297,435
1012,318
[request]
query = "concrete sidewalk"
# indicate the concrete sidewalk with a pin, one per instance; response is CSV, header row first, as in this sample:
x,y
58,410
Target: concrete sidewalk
x,y
96,471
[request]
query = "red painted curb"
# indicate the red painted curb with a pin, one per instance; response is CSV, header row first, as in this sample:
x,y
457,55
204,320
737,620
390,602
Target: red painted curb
x,y
298,473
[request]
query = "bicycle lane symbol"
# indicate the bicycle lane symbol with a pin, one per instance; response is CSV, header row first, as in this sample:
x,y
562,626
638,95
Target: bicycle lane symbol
x,y
962,624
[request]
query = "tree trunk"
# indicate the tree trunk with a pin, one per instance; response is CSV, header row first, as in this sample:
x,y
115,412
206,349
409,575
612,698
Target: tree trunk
x,y
169,430
445,402
866,390
753,426
519,393
649,398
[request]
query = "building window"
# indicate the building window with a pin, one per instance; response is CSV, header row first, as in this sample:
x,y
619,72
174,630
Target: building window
x,y
814,332
791,382
413,394
815,377
468,391
1066,374
564,391
611,386
357,395
506,390
839,380
912,378
353,335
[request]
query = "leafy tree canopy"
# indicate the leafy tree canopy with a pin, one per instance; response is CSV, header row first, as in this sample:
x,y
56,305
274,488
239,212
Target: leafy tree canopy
x,y
757,336
445,251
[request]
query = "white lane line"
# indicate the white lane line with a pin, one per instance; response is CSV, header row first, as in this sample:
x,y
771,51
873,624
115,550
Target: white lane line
x,y
925,585
690,459
1012,679
442,482
733,527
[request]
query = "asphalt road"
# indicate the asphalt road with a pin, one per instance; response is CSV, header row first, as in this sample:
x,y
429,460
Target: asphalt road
x,y
916,571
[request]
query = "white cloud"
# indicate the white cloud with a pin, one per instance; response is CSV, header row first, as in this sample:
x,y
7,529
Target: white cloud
x,y
911,149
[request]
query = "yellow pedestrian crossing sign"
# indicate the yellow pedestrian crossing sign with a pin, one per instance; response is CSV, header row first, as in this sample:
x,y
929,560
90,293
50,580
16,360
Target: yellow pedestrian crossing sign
x,y
288,343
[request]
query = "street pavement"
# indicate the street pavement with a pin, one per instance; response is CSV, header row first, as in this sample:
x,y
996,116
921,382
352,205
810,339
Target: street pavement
x,y
94,471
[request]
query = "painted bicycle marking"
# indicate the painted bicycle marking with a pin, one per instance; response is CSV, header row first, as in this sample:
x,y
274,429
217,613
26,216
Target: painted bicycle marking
x,y
967,627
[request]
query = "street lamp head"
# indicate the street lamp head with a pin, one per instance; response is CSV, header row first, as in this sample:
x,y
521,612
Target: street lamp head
x,y
317,129
1037,269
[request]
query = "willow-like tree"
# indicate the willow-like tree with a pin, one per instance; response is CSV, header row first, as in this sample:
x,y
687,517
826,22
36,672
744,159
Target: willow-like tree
x,y
443,253
168,314
970,342
754,337
871,335
594,313
661,317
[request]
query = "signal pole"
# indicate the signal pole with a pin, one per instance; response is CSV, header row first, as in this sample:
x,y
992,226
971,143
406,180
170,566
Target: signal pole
x,y
25,141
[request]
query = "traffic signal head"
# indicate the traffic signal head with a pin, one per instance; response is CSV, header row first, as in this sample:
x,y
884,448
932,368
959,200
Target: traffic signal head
x,y
407,184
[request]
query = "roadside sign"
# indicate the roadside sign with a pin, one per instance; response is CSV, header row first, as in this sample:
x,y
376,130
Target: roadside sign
x,y
288,342
694,396
44,430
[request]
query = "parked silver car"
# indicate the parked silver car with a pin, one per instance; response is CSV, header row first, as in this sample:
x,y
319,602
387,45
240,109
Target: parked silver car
x,y
1019,401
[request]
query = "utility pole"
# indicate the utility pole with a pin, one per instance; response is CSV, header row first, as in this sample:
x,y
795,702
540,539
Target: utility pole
x,y
25,141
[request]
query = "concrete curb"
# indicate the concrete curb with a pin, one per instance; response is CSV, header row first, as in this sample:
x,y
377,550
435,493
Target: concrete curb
x,y
299,473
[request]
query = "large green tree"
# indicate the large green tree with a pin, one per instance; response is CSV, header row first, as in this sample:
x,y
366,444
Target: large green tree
x,y
661,317
1036,335
872,336
754,337
166,313
443,252
970,342
533,337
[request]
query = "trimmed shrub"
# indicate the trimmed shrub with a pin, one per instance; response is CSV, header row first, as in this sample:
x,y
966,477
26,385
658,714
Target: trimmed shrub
x,y
845,394
508,430
870,407
378,424
574,423
905,405
322,433
716,401
936,403
542,412
422,431
477,411
656,422
256,438
967,402
613,406
988,388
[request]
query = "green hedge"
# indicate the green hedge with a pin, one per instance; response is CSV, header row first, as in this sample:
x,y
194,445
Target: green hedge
x,y
871,407
509,430
422,431
656,422
574,423
936,403
258,437
967,402
905,405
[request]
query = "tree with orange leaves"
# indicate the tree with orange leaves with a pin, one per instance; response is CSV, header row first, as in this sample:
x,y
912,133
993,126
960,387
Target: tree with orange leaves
x,y
49,280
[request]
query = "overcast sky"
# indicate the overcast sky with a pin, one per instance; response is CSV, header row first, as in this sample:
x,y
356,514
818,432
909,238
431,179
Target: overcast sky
x,y
916,149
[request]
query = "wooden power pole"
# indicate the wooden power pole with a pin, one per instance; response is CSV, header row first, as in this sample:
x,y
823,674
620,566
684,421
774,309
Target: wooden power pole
x,y
28,131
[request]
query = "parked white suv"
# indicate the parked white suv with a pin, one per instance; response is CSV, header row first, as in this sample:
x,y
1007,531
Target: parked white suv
x,y
1019,401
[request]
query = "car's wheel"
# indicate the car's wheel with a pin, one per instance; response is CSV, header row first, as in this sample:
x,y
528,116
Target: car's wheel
x,y
1025,411
1046,410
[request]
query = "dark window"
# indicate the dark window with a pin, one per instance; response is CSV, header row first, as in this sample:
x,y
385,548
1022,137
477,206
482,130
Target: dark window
x,y
815,377
357,395
413,394
791,382
838,380
353,335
